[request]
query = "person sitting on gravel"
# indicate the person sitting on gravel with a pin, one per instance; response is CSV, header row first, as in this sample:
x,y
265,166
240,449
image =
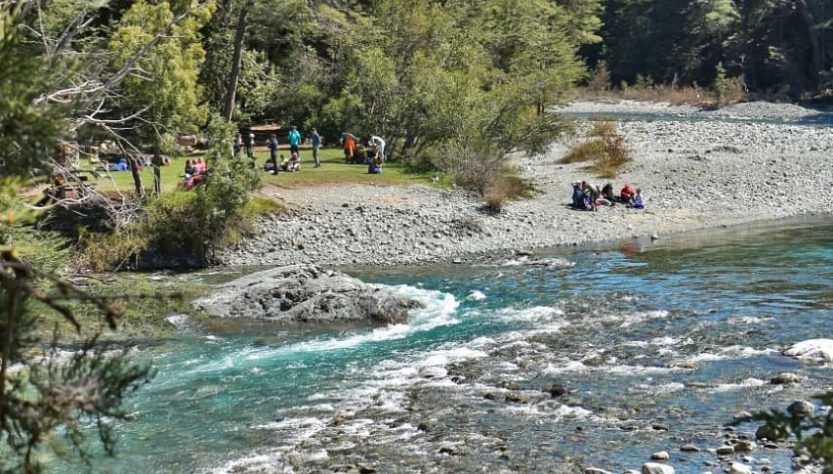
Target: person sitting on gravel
x,y
607,192
627,193
591,195
638,202
578,197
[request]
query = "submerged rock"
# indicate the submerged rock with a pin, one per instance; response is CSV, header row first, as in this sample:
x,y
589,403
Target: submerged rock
x,y
785,378
745,446
660,456
801,408
305,294
819,351
558,390
725,450
766,432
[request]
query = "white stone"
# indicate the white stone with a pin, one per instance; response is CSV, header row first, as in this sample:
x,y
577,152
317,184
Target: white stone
x,y
660,456
595,470
814,350
738,468
656,468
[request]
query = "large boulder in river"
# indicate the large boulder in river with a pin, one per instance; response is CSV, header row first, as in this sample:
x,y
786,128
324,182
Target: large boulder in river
x,y
305,294
819,351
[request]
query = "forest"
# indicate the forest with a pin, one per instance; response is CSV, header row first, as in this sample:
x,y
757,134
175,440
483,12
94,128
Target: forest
x,y
425,74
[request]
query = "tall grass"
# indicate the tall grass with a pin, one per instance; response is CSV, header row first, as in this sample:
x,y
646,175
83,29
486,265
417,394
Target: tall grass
x,y
604,149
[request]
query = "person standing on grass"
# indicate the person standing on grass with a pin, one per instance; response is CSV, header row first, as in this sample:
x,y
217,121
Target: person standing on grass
x,y
273,152
238,145
295,141
315,140
250,145
348,140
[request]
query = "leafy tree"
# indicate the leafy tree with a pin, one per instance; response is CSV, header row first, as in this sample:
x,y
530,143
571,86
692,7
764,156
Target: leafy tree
x,y
774,44
27,131
164,80
45,401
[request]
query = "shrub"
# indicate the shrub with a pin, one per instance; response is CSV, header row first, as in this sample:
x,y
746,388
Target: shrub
x,y
584,151
601,79
472,166
605,149
494,201
507,186
727,90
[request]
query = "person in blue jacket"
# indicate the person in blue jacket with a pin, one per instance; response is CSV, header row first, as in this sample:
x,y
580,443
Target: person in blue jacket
x,y
295,140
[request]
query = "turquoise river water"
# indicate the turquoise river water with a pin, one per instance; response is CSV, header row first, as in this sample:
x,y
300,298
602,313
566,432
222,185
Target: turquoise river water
x,y
682,333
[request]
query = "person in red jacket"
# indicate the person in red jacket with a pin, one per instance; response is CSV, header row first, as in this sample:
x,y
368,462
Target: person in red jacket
x,y
627,193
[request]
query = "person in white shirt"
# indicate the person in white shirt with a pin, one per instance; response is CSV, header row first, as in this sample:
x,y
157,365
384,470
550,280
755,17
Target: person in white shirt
x,y
379,143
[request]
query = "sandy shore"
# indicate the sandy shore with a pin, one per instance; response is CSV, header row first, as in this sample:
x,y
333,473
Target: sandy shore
x,y
697,169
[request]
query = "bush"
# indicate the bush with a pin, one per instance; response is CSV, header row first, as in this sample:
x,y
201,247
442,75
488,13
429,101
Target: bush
x,y
605,149
601,79
472,166
482,169
507,186
584,151
727,90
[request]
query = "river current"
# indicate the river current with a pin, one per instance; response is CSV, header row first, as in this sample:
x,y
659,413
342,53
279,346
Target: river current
x,y
657,345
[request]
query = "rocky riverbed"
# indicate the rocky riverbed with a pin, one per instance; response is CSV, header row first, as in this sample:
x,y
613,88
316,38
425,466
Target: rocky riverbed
x,y
698,169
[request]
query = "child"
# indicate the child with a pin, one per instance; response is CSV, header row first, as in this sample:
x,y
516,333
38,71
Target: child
x,y
638,202
295,162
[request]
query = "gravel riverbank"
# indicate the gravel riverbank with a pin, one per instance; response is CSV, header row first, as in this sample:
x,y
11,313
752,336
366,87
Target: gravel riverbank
x,y
700,171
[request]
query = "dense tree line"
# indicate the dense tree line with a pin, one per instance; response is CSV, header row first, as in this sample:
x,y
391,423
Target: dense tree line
x,y
779,47
423,73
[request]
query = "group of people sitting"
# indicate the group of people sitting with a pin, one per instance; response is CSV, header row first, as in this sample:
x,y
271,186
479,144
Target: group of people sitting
x,y
292,164
370,151
588,197
195,173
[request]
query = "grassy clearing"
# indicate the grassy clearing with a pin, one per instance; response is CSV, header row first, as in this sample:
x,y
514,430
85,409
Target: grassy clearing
x,y
333,171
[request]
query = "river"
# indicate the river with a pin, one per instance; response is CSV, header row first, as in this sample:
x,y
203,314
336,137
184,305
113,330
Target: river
x,y
658,344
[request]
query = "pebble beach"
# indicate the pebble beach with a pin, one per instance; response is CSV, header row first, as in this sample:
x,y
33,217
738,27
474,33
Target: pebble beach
x,y
698,170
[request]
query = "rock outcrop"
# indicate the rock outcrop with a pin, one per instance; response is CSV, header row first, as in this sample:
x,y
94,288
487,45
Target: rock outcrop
x,y
305,294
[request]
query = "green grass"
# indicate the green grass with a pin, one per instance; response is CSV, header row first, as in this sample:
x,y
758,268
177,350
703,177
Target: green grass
x,y
333,171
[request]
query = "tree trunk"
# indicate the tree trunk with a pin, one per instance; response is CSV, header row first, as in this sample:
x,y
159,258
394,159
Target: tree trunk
x,y
137,178
810,24
237,57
